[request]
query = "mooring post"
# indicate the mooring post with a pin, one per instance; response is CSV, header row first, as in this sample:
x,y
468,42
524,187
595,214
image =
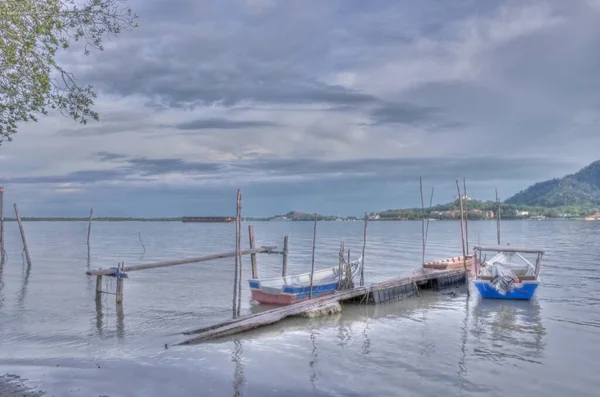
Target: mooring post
x,y
285,257
98,286
497,217
252,256
1,225
362,264
27,257
120,281
89,230
349,273
466,217
422,222
341,263
238,265
312,267
462,238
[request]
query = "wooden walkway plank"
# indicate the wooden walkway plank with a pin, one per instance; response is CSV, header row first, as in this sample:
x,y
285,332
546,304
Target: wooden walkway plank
x,y
386,291
105,272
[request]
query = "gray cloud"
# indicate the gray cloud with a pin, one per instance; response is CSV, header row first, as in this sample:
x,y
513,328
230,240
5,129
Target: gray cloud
x,y
222,124
405,113
500,93
108,156
437,169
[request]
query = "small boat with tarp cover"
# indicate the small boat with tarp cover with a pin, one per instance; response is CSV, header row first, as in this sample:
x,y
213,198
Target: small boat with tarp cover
x,y
291,289
508,274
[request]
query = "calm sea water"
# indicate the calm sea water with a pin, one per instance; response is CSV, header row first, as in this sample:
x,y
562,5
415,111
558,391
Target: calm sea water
x,y
54,334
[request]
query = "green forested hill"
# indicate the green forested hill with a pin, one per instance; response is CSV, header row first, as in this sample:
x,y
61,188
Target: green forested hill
x,y
579,189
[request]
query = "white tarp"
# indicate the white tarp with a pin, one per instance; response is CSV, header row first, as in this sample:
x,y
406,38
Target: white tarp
x,y
503,278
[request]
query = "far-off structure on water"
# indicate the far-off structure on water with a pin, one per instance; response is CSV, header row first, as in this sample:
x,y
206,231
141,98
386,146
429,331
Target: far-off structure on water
x,y
315,293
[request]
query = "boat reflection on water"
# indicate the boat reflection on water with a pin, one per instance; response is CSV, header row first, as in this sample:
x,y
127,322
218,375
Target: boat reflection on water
x,y
508,330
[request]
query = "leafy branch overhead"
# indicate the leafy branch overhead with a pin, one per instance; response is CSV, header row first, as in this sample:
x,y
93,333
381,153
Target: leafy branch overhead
x,y
32,32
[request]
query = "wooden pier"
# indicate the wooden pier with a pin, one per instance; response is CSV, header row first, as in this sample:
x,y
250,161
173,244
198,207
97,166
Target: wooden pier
x,y
390,290
120,271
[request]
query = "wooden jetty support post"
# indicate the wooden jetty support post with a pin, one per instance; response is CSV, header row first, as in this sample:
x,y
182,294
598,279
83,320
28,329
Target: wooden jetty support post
x,y
362,264
462,235
312,267
284,254
497,217
113,271
390,290
2,252
252,256
89,230
237,287
120,281
27,257
466,218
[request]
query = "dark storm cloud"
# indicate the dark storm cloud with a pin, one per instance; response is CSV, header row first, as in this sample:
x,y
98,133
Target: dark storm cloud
x,y
222,124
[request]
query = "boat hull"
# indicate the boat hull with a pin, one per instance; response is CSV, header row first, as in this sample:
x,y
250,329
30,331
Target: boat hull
x,y
290,294
285,299
523,291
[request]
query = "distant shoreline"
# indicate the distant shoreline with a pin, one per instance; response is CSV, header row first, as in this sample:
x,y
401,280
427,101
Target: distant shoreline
x,y
50,219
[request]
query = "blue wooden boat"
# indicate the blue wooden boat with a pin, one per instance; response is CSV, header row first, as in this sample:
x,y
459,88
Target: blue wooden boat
x,y
507,274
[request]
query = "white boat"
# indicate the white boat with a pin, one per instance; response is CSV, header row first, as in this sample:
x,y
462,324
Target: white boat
x,y
296,288
508,274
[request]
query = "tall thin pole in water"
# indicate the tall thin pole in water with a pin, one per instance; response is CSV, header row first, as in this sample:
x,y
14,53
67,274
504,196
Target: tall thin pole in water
x,y
422,221
466,216
462,237
27,257
312,266
497,217
237,247
284,257
2,225
428,216
89,230
252,256
362,264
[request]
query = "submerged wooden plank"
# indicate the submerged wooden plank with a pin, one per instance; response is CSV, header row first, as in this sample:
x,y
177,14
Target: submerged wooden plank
x,y
243,324
103,272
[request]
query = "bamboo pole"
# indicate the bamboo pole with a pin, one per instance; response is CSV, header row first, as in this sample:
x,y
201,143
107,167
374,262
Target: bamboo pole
x,y
27,257
340,265
2,252
252,256
462,237
466,217
428,215
422,222
362,264
312,267
120,281
284,254
237,248
90,229
497,217
98,286
176,262
349,283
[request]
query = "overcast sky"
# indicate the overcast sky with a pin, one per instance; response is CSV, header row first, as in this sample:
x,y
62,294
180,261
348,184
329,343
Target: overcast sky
x,y
333,106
